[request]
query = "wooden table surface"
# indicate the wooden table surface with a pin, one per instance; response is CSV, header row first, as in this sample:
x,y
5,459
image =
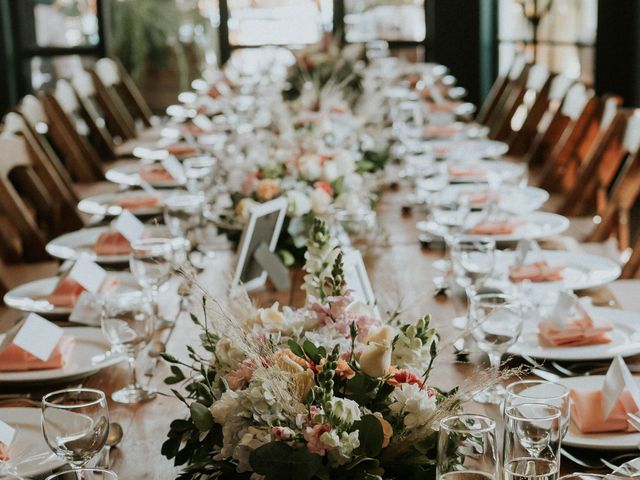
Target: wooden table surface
x,y
399,271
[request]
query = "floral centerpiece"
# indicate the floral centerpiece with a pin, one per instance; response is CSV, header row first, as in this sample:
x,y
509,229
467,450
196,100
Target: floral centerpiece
x,y
325,391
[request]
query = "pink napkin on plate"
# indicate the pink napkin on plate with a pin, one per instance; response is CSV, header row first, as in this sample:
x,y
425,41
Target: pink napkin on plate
x,y
540,271
496,227
112,243
155,173
587,412
15,359
136,202
574,333
479,199
463,171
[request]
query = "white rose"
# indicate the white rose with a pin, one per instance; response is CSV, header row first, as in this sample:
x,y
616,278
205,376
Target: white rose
x,y
345,163
228,354
224,409
310,166
349,201
330,171
345,411
375,359
320,201
415,404
298,203
340,446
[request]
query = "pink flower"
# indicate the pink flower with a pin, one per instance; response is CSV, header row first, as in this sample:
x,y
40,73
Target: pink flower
x,y
326,186
333,313
282,433
312,436
240,377
364,323
250,183
399,377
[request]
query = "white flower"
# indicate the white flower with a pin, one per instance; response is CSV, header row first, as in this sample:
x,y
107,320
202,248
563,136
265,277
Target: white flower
x,y
271,317
225,407
253,439
320,201
330,171
344,411
349,201
341,446
259,399
298,203
414,403
244,207
310,166
411,352
345,163
228,355
375,359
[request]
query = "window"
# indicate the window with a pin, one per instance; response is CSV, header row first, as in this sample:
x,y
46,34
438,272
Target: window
x,y
391,20
66,23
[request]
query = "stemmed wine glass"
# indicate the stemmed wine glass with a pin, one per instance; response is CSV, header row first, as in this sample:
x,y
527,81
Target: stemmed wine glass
x,y
495,324
151,263
127,322
467,448
451,217
84,474
532,442
75,424
541,391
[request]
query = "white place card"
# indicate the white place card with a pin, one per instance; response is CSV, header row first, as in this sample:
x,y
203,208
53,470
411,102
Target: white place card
x,y
87,310
88,274
7,434
174,167
129,226
522,250
562,310
38,336
618,379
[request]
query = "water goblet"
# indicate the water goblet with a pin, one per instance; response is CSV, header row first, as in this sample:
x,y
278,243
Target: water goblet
x,y
540,391
199,172
532,442
451,217
84,474
127,322
495,324
75,424
183,213
467,448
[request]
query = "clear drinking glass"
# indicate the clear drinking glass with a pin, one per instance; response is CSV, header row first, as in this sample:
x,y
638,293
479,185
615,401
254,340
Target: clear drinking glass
x,y
495,324
532,442
451,218
473,261
127,322
467,448
151,263
75,424
586,476
183,213
199,173
84,474
541,391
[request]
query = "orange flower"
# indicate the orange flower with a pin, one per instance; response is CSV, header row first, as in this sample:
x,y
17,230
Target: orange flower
x,y
291,357
398,377
267,189
342,368
387,429
326,186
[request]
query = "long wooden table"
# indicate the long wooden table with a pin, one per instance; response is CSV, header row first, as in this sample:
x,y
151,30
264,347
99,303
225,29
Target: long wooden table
x,y
400,271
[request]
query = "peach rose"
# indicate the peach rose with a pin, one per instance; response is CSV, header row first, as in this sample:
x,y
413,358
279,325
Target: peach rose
x,y
387,429
267,189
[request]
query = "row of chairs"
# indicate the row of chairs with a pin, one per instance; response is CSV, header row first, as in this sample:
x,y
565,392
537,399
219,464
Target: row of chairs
x,y
582,147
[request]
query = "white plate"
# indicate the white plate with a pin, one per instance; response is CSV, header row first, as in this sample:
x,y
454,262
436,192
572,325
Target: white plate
x,y
32,296
128,175
29,453
512,199
480,148
91,353
71,245
504,171
103,204
625,339
601,441
582,270
538,225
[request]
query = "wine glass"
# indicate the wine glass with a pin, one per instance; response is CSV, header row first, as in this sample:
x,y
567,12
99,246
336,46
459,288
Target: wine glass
x,y
183,213
84,474
541,391
151,263
199,173
495,324
451,217
127,322
532,442
75,424
586,476
467,448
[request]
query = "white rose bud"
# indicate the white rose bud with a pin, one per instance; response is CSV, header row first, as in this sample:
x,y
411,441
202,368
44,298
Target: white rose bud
x,y
330,171
320,201
310,167
375,359
298,203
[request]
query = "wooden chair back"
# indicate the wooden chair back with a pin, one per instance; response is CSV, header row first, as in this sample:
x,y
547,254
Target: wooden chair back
x,y
71,133
516,81
595,177
537,85
498,90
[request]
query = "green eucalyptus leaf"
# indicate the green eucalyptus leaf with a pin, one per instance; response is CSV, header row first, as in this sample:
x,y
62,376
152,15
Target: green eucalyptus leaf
x,y
279,461
370,434
201,416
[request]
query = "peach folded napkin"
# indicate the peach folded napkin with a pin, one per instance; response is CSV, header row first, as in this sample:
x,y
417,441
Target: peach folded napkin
x,y
183,150
496,227
440,130
536,272
479,199
15,359
155,173
136,202
466,171
112,243
4,455
587,412
68,291
577,332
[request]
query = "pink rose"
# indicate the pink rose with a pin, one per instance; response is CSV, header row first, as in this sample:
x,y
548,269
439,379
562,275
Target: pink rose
x,y
312,436
282,433
240,377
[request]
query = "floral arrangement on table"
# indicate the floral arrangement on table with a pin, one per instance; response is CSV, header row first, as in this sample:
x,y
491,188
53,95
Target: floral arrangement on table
x,y
324,391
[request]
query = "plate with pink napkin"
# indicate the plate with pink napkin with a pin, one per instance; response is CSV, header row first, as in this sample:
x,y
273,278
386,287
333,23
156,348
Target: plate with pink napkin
x,y
139,203
589,428
610,333
82,351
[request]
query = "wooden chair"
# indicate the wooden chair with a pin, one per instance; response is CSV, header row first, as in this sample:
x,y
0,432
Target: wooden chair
x,y
498,89
631,269
523,101
596,176
540,117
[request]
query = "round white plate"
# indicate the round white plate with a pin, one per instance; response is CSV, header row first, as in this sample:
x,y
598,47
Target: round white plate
x,y
501,170
128,175
103,204
29,453
582,270
537,225
73,244
458,131
603,441
625,339
91,353
512,199
480,148
32,296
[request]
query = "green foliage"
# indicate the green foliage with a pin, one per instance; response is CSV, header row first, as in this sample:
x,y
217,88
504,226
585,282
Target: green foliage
x,y
279,461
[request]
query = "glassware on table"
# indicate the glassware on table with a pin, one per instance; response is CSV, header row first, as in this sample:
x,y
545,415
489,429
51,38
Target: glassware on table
x,y
183,213
532,442
587,476
75,424
151,263
495,323
128,323
452,218
199,172
541,391
467,448
84,474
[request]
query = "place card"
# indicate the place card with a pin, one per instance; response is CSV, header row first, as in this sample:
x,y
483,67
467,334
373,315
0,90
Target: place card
x,y
618,379
7,434
88,274
35,335
129,226
174,167
87,310
562,309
